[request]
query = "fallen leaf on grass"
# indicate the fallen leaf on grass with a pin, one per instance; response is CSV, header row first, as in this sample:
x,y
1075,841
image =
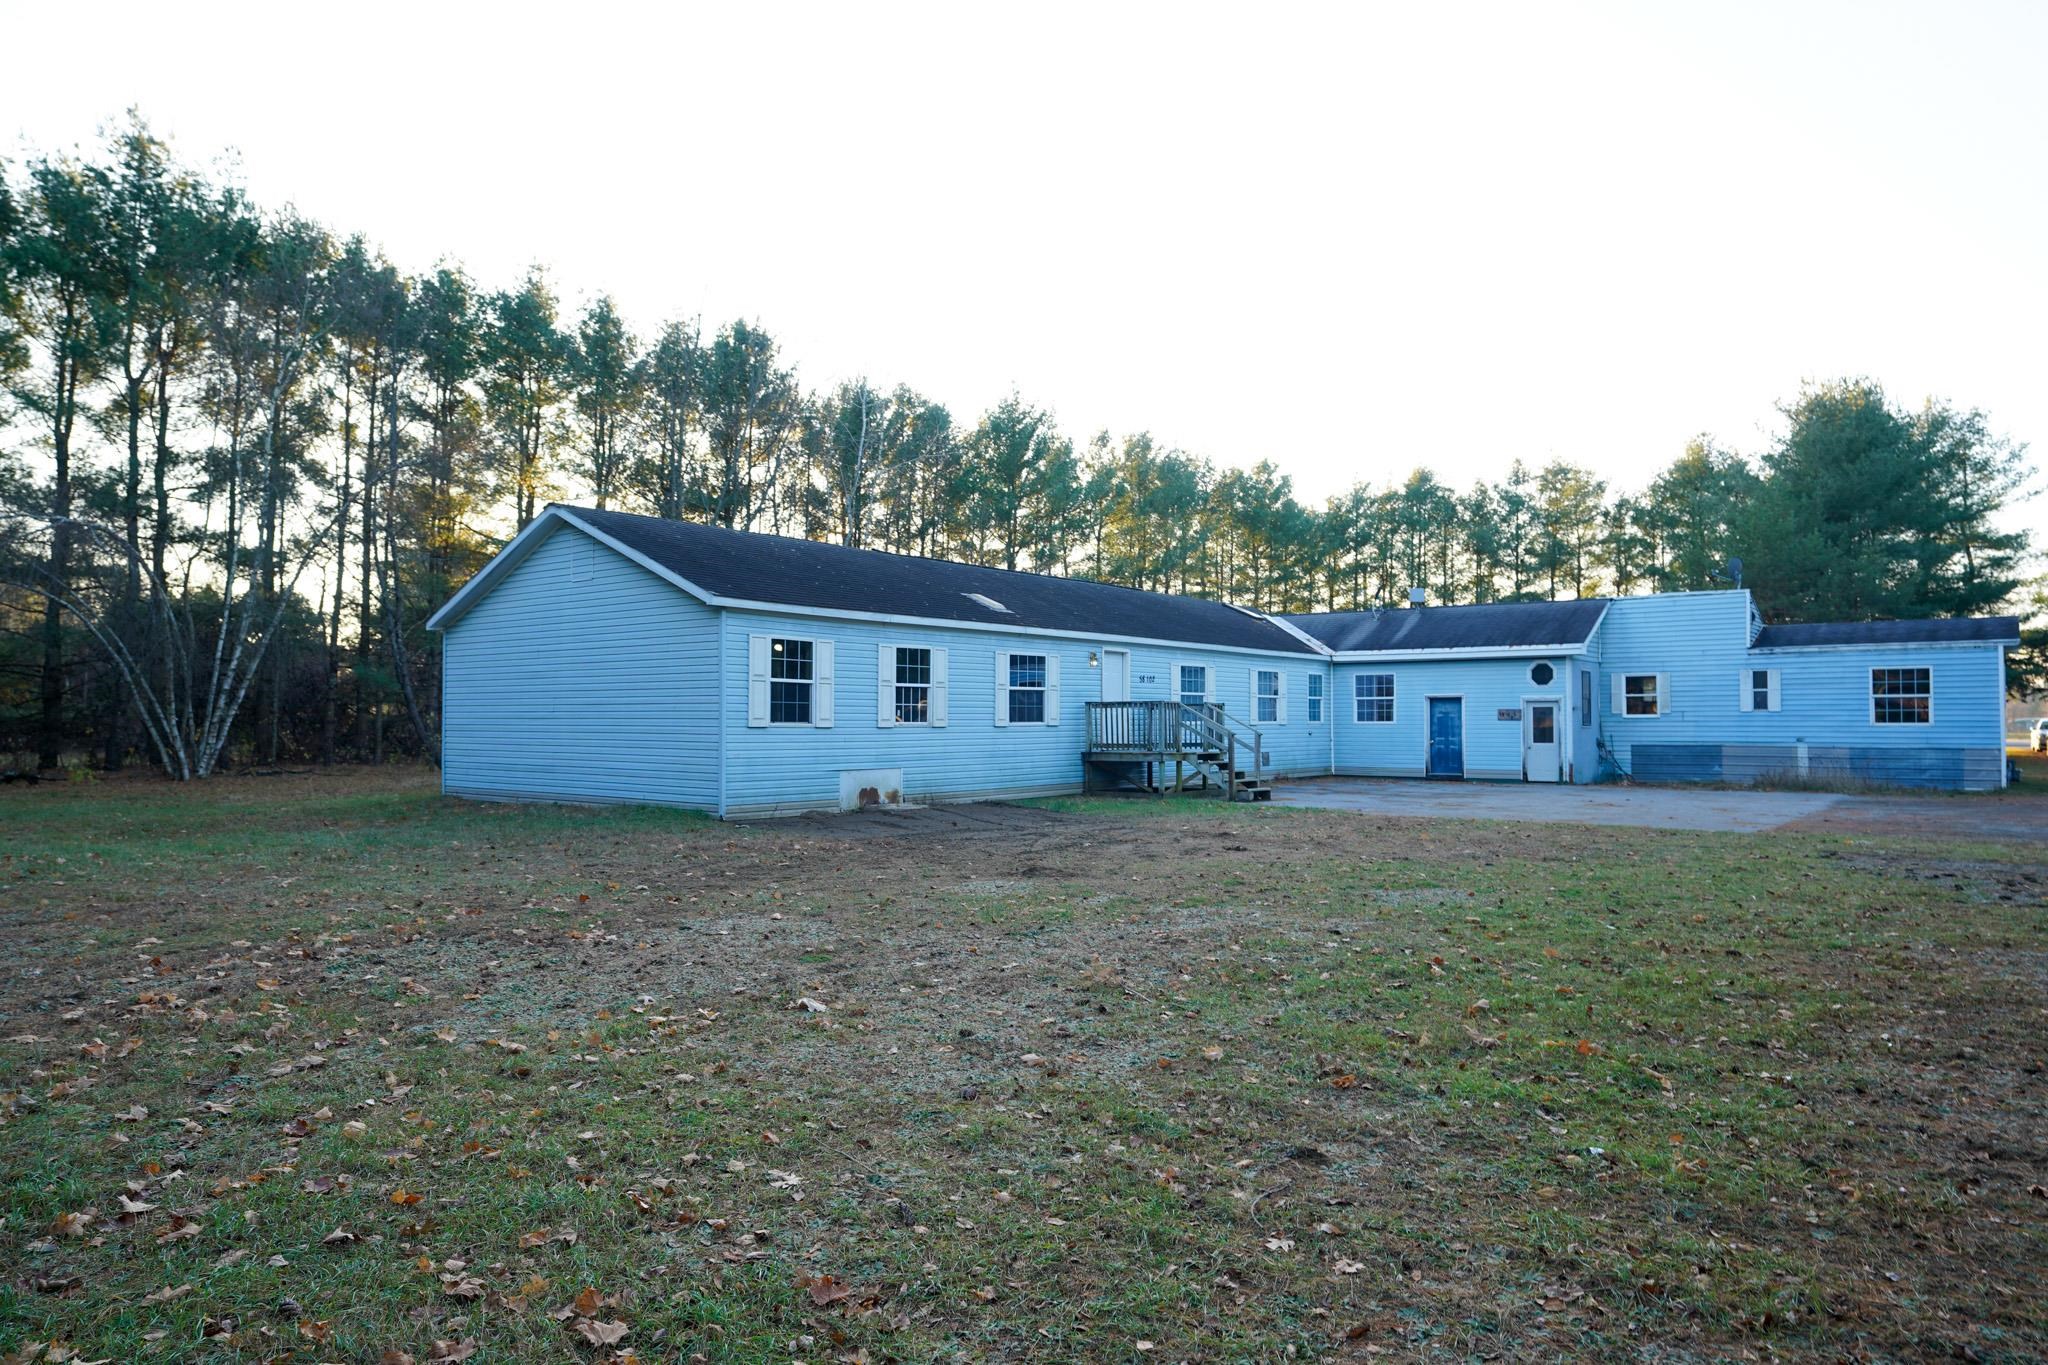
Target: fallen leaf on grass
x,y
599,1333
72,1224
181,1228
542,1236
825,1289
340,1237
1348,1267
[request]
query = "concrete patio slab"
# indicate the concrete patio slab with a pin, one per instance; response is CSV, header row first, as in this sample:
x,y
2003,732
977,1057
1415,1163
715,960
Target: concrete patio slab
x,y
1645,807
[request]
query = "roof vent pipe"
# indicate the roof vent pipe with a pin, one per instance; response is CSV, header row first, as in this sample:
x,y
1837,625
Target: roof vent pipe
x,y
1417,596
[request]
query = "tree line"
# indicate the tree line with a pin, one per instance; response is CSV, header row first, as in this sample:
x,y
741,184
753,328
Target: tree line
x,y
246,457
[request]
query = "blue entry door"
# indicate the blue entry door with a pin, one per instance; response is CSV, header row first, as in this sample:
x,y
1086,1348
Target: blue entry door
x,y
1446,737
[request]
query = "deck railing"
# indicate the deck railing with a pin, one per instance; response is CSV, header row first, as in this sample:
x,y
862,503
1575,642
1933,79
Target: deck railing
x,y
1174,730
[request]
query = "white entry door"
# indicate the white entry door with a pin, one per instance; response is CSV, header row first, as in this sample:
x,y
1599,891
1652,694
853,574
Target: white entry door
x,y
1539,741
1116,675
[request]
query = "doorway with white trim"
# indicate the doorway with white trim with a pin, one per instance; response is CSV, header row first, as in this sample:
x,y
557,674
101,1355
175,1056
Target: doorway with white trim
x,y
1541,761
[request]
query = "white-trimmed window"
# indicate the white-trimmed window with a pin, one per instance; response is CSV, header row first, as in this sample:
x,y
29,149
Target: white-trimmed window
x,y
1759,689
1642,694
1901,696
910,685
1269,697
1027,689
791,681
913,686
1315,698
1194,684
1372,698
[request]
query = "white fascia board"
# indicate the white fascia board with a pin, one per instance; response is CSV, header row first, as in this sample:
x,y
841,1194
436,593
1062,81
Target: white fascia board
x,y
1901,646
520,545
991,627
501,563
1411,656
524,543
666,574
1298,633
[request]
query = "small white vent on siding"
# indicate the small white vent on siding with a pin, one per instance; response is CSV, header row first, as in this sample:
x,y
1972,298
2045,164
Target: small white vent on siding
x,y
988,602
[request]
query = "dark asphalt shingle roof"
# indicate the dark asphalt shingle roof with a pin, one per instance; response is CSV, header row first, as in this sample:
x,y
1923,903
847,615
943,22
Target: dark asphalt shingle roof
x,y
1501,625
1950,630
787,571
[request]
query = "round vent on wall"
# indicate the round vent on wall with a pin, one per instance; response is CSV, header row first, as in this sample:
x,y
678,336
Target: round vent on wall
x,y
1542,674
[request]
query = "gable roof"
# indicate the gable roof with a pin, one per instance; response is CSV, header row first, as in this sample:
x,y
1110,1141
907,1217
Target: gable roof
x,y
1496,625
1942,631
747,569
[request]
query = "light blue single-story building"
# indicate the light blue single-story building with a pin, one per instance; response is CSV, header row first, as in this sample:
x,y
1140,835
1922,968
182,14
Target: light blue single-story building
x,y
602,656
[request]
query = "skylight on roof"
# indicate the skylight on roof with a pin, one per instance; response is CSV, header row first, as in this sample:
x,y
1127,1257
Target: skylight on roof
x,y
988,602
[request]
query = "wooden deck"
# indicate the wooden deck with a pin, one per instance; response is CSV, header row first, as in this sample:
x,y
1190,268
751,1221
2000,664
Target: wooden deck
x,y
1165,746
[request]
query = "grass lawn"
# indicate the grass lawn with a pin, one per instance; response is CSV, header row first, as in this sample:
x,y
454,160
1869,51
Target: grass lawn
x,y
326,1068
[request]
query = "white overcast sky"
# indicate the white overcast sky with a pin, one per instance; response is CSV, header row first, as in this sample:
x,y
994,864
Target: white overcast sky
x,y
1352,239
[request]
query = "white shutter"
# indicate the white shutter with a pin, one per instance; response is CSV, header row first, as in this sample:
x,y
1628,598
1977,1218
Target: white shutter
x,y
1663,694
885,685
1208,684
1746,693
1052,688
821,684
757,680
1772,675
1280,706
1619,685
1002,688
935,710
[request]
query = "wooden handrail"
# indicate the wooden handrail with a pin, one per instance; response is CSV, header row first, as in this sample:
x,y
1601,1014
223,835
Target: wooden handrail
x,y
1176,729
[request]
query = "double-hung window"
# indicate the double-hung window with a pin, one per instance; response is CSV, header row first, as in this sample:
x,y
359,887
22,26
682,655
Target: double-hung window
x,y
791,678
1315,698
1027,689
1759,689
1194,684
1266,703
1372,698
913,686
1640,695
1901,696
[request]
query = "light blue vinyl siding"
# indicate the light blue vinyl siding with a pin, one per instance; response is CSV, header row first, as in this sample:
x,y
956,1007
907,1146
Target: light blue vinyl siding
x,y
774,768
1493,747
1823,727
582,677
